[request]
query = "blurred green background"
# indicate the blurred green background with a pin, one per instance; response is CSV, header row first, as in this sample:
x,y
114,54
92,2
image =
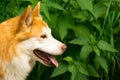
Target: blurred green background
x,y
90,29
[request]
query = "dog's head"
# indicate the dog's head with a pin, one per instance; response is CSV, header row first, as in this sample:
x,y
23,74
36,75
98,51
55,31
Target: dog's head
x,y
35,38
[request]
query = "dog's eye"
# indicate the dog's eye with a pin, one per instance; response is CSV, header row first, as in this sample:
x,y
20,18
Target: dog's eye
x,y
43,36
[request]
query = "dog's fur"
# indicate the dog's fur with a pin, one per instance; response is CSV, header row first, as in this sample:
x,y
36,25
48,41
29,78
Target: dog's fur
x,y
19,38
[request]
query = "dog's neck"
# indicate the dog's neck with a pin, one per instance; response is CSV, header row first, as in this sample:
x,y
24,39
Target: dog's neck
x,y
19,68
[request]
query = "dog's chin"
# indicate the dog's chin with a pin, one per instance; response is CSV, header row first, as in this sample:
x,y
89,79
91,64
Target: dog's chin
x,y
45,58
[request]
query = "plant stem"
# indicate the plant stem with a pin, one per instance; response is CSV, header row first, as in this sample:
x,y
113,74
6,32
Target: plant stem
x,y
105,20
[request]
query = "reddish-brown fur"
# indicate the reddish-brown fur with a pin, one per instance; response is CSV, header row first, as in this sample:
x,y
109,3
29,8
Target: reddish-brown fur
x,y
1,72
18,29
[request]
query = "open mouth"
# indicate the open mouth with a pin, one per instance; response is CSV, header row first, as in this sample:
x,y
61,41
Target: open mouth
x,y
46,58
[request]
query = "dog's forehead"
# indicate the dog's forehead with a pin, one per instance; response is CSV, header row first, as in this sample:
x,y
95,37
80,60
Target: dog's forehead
x,y
39,26
47,29
39,21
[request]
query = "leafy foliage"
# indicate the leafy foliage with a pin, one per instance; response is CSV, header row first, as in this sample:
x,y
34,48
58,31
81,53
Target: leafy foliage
x,y
90,28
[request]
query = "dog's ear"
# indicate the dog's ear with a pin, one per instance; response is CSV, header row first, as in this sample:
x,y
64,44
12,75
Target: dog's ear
x,y
36,10
27,17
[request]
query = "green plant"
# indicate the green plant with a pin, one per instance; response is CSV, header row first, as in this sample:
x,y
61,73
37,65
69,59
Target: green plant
x,y
91,30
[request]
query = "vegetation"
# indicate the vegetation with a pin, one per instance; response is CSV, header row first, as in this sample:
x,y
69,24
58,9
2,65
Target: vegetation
x,y
91,30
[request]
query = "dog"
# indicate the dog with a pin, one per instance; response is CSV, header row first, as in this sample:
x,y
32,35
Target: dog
x,y
24,40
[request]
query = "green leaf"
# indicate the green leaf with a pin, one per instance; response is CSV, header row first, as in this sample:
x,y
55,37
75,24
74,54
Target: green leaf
x,y
92,71
81,30
99,10
80,76
65,1
68,59
82,68
63,25
86,49
54,5
44,9
62,68
73,70
97,26
76,75
74,4
82,15
86,4
103,45
80,41
34,2
102,62
97,51
93,39
31,1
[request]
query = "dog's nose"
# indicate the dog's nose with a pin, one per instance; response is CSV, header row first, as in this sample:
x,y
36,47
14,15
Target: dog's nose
x,y
63,47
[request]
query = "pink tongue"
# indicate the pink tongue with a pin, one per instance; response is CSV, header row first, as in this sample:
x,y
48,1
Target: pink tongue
x,y
54,61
